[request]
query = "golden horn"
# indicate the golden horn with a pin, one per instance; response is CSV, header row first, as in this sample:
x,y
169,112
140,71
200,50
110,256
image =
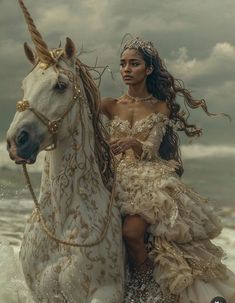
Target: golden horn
x,y
41,47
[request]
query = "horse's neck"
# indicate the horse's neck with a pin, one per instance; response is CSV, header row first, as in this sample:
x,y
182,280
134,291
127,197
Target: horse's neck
x,y
71,179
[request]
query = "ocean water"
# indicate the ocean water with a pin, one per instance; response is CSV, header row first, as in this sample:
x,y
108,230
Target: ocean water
x,y
210,170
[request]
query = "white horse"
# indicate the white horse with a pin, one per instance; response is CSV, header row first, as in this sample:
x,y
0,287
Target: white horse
x,y
72,245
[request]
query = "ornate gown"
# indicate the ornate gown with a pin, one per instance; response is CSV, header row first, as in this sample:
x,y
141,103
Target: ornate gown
x,y
186,263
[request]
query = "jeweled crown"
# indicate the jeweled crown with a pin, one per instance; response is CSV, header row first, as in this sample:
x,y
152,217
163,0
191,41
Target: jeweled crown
x,y
138,43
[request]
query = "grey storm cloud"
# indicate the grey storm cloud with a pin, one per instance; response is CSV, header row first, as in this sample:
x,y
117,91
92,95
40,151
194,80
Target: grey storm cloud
x,y
195,38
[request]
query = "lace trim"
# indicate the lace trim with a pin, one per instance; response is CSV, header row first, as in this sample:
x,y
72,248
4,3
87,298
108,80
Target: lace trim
x,y
147,150
181,268
118,125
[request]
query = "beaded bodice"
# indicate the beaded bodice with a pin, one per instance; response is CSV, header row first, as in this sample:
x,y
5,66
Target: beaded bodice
x,y
149,131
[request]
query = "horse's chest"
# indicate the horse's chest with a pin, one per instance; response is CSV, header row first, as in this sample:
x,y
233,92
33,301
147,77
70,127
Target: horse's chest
x,y
35,248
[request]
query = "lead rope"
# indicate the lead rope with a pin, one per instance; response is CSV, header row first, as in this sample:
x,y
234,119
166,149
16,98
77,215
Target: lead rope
x,y
47,230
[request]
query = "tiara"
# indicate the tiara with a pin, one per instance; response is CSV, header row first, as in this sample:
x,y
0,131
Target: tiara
x,y
146,46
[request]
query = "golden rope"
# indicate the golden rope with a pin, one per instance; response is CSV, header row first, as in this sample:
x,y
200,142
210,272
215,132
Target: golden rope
x,y
41,47
47,230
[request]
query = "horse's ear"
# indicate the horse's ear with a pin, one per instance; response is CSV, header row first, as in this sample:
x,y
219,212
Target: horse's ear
x,y
70,48
29,53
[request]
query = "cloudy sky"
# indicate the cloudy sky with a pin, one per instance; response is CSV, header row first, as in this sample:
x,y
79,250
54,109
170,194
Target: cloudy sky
x,y
195,38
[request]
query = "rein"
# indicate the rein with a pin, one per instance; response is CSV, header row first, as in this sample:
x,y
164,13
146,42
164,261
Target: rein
x,y
53,127
47,230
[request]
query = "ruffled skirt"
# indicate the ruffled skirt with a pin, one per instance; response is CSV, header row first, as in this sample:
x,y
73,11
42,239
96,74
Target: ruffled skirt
x,y
182,223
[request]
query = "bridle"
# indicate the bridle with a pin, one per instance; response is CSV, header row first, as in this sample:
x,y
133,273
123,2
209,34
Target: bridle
x,y
53,125
53,128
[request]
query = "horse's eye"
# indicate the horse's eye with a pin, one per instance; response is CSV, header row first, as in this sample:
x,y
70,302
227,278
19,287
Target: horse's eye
x,y
60,86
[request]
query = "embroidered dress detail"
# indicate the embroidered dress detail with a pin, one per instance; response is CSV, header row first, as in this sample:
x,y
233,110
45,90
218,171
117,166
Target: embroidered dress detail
x,y
181,222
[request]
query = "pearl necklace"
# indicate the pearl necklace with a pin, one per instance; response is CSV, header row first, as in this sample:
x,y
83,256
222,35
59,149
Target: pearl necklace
x,y
140,99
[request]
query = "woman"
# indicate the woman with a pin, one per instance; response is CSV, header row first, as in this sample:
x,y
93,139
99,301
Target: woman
x,y
153,200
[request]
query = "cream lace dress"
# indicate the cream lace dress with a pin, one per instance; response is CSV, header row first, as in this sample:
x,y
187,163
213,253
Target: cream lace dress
x,y
182,222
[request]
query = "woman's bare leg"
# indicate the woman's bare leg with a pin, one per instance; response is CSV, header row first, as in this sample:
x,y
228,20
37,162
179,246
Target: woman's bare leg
x,y
134,228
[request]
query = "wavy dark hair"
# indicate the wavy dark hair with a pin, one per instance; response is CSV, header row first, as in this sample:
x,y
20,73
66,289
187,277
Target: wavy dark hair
x,y
163,86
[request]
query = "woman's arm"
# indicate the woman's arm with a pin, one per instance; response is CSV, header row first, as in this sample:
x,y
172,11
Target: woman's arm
x,y
106,106
145,150
120,145
148,148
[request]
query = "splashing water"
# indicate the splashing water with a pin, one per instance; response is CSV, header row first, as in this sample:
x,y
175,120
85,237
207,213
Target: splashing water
x,y
13,288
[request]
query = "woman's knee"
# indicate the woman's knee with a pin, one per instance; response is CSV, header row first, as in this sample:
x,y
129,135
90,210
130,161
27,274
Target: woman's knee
x,y
134,228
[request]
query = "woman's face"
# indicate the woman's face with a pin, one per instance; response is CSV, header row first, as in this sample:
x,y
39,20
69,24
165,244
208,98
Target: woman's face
x,y
133,68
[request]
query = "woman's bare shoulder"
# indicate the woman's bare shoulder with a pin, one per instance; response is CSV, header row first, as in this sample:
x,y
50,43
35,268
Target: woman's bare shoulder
x,y
162,107
108,100
107,106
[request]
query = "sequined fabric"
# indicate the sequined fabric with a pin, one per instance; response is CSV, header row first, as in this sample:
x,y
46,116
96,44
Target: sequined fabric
x,y
182,222
142,288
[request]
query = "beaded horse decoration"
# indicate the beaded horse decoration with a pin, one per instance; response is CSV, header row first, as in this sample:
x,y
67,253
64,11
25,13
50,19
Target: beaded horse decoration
x,y
72,245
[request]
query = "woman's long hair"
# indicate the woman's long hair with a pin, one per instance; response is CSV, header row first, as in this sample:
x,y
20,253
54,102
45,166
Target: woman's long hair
x,y
163,86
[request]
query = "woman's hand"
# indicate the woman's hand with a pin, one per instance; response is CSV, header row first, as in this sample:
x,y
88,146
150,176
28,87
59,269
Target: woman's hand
x,y
120,145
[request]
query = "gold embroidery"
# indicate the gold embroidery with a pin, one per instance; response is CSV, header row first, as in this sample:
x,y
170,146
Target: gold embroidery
x,y
180,219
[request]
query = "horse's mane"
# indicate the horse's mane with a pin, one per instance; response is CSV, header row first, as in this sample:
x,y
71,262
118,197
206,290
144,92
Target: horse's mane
x,y
102,149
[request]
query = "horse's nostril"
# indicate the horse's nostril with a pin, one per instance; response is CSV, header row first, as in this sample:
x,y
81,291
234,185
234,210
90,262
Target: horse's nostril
x,y
22,138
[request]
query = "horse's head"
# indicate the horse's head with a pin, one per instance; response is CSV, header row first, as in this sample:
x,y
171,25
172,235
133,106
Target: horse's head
x,y
50,91
57,83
